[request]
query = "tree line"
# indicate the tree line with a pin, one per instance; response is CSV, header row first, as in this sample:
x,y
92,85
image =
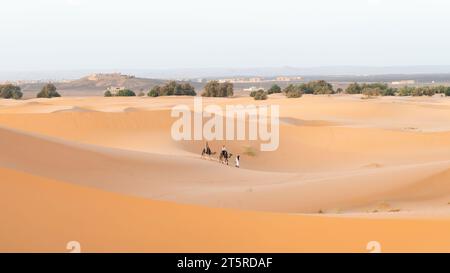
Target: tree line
x,y
120,93
10,91
296,90
321,87
226,89
173,88
382,89
218,89
261,94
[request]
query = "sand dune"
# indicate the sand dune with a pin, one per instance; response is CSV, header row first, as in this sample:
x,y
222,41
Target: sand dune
x,y
46,214
207,182
357,163
129,172
301,147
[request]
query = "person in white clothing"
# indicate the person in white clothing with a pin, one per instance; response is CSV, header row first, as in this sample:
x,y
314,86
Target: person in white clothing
x,y
238,157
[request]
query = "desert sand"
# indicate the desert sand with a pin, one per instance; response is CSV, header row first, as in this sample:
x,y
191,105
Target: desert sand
x,y
106,172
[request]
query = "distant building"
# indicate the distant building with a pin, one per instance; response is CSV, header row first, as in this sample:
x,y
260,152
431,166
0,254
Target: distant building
x,y
233,80
108,76
253,88
404,82
288,79
256,79
260,79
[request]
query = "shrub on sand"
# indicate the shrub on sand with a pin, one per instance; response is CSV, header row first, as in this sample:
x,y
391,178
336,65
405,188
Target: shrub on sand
x,y
9,91
48,91
125,93
260,95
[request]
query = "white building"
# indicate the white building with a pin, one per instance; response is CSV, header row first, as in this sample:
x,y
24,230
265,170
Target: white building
x,y
404,82
253,88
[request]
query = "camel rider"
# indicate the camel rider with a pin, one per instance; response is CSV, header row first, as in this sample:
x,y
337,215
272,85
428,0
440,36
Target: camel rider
x,y
207,149
224,151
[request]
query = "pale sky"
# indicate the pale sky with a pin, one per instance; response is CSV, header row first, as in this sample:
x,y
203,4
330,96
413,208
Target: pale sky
x,y
138,34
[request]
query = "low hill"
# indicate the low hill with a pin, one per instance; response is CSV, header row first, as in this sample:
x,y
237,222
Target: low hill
x,y
96,84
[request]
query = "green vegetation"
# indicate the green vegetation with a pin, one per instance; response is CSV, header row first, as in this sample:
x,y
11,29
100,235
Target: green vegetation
x,y
120,93
172,88
388,92
318,88
294,94
125,93
423,91
382,89
354,88
253,93
216,89
447,92
426,91
274,89
293,91
9,91
376,89
405,91
154,92
48,91
371,92
249,150
381,86
367,89
259,95
313,87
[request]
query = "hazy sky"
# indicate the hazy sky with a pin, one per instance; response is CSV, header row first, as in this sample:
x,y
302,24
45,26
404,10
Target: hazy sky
x,y
138,34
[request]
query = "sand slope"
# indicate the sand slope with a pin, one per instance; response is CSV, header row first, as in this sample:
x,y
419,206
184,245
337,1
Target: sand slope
x,y
189,179
45,214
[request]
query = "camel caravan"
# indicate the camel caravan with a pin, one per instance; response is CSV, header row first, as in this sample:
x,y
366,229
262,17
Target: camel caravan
x,y
224,155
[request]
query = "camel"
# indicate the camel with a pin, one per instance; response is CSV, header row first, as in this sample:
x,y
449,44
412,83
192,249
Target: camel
x,y
224,156
207,151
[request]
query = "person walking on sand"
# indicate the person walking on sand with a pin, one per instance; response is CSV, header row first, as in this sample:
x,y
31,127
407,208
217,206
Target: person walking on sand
x,y
238,158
